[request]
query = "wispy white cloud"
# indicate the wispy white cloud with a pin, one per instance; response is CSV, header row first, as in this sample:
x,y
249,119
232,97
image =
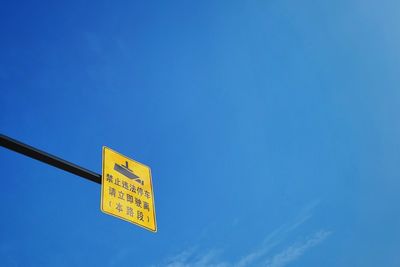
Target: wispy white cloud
x,y
261,256
188,258
277,236
294,251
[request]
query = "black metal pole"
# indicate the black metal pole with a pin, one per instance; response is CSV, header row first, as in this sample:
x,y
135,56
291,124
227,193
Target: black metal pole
x,y
40,155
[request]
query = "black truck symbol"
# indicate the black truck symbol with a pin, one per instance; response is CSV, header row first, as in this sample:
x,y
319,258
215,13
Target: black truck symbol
x,y
124,170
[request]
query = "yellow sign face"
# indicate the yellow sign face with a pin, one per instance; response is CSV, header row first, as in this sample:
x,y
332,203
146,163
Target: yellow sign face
x,y
127,190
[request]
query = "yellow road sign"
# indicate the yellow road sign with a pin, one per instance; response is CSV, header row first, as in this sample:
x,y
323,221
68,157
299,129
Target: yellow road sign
x,y
127,190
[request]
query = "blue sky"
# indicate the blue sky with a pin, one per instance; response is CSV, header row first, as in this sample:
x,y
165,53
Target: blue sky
x,y
271,128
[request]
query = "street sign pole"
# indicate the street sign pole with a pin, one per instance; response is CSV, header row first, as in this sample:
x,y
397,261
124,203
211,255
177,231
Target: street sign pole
x,y
52,160
126,185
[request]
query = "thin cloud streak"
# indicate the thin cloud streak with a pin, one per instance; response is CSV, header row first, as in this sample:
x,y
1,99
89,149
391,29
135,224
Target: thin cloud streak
x,y
261,256
188,259
296,250
278,236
